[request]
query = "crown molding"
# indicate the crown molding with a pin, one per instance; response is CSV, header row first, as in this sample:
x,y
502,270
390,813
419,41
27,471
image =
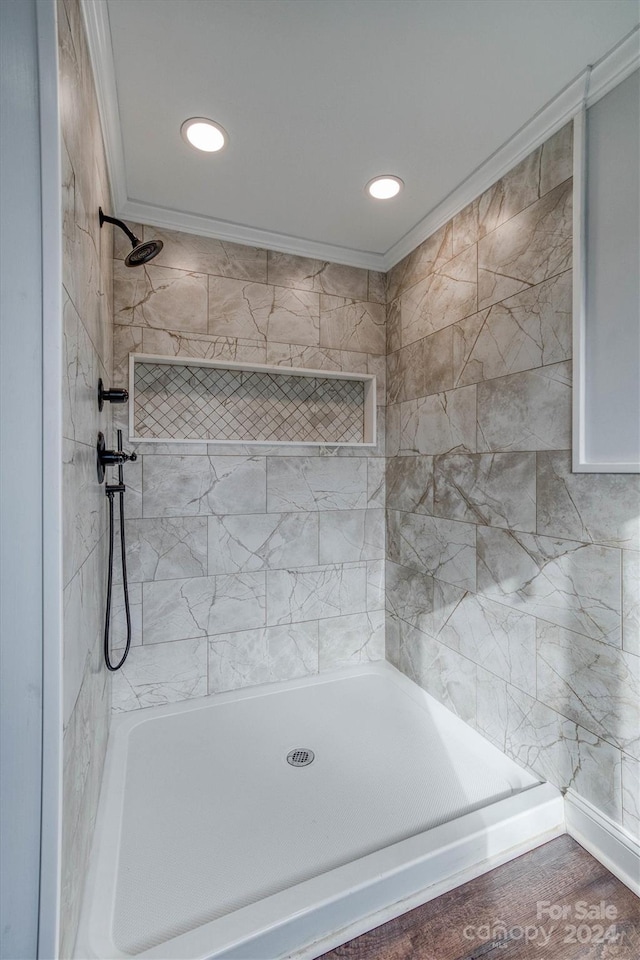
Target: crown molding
x,y
162,217
610,70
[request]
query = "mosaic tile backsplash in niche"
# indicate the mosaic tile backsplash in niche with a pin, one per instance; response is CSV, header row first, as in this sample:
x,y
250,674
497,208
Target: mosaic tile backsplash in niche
x,y
512,583
194,402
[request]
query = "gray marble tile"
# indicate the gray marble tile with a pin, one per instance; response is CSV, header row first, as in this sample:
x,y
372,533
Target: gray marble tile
x,y
375,585
202,606
552,747
530,247
442,423
84,746
393,628
556,164
394,331
515,191
321,276
84,506
175,343
248,657
118,617
631,601
344,641
377,290
490,488
126,340
239,308
167,548
440,299
352,325
442,672
409,484
445,549
240,543
294,317
377,365
80,373
526,411
392,430
410,596
316,593
571,584
181,486
83,611
421,368
604,508
160,297
591,683
161,673
420,600
528,330
350,535
186,251
501,640
376,482
631,795
394,535
431,254
316,358
316,483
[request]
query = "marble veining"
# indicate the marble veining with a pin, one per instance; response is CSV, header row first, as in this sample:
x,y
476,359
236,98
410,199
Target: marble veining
x,y
247,657
241,543
190,486
316,593
550,745
571,505
532,246
498,489
529,330
574,585
442,423
526,411
202,606
592,683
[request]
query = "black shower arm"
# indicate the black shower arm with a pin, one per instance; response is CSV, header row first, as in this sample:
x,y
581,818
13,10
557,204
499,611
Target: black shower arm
x,y
104,218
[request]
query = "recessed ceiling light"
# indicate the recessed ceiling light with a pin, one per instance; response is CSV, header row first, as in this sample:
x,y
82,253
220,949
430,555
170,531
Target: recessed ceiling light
x,y
203,134
384,188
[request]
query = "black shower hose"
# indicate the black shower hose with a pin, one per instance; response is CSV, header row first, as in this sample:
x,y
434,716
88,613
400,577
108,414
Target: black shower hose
x,y
125,586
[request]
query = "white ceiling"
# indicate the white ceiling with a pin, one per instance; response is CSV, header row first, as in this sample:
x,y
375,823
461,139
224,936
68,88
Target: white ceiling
x,y
318,96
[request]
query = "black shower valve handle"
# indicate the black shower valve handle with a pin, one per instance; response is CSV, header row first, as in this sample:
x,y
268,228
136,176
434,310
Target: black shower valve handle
x,y
111,458
112,395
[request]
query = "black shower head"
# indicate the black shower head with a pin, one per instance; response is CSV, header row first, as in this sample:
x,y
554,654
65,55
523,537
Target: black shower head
x,y
143,250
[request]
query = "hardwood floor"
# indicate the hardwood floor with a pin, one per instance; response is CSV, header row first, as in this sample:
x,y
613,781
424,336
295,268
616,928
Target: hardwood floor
x,y
534,908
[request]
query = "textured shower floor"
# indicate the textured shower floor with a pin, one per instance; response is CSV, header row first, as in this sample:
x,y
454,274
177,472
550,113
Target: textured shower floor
x,y
202,817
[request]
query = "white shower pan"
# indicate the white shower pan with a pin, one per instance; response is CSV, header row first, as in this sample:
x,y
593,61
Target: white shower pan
x,y
209,844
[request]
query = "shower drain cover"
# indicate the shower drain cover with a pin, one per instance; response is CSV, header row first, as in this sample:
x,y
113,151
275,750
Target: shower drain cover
x,y
300,757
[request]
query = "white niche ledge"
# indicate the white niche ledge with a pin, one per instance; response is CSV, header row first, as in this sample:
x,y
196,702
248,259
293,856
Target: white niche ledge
x,y
186,400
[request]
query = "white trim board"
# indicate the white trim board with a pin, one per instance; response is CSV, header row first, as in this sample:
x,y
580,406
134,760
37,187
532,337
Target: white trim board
x,y
612,845
610,70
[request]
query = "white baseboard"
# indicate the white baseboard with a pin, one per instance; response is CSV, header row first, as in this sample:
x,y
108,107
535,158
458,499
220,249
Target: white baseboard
x,y
608,842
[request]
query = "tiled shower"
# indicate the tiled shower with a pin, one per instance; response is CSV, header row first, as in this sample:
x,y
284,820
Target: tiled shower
x,y
512,584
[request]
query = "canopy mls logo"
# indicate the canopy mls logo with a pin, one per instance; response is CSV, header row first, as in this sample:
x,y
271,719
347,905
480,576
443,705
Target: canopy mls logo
x,y
584,922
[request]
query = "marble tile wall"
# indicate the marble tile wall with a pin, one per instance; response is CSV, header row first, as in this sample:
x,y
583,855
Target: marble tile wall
x,y
513,585
249,563
87,351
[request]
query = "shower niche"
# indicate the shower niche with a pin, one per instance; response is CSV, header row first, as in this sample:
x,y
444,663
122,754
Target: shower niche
x,y
186,400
